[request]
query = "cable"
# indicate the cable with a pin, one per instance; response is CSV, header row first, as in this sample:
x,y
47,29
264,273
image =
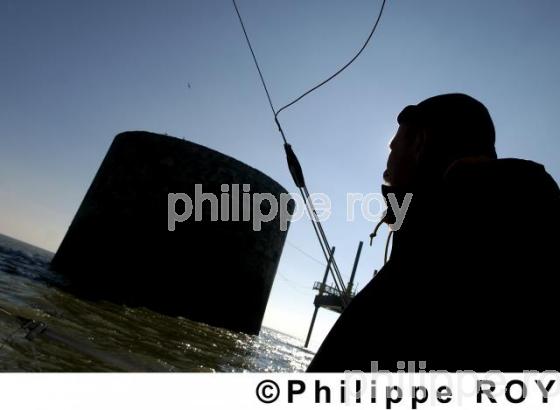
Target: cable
x,y
315,219
343,67
259,70
304,290
374,233
313,258
386,257
325,246
293,163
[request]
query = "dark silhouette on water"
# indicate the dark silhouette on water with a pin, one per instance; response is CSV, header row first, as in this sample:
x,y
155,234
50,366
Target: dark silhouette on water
x,y
472,281
119,248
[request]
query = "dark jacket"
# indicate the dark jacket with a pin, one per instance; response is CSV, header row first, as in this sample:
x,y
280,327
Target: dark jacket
x,y
472,280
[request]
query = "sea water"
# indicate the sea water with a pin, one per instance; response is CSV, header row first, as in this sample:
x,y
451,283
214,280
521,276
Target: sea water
x,y
44,328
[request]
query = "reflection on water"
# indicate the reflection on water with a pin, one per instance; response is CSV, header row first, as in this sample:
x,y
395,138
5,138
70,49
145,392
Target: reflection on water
x,y
101,336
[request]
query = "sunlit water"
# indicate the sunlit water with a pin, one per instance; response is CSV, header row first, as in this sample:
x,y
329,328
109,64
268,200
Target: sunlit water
x,y
83,335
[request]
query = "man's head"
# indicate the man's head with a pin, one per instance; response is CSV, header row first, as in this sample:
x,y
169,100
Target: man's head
x,y
434,134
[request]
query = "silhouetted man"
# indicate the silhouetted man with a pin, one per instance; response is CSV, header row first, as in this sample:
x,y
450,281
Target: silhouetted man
x,y
472,280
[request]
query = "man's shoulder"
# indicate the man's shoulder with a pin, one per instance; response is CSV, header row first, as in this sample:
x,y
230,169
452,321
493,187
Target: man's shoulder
x,y
500,176
499,191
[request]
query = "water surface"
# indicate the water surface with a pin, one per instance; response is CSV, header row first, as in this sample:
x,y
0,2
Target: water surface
x,y
43,328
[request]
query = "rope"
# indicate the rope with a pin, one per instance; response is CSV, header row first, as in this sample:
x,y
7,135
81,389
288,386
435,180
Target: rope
x,y
343,67
311,257
259,70
292,160
386,257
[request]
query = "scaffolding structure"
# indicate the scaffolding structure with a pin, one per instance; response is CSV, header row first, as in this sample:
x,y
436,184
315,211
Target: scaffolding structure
x,y
329,297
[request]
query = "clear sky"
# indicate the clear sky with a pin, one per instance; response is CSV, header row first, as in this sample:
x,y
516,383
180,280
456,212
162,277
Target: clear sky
x,y
73,73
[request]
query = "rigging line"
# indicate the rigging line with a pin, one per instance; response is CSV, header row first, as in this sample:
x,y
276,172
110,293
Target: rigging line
x,y
343,67
259,70
333,267
311,257
386,256
325,240
280,127
321,236
337,278
313,223
326,253
303,289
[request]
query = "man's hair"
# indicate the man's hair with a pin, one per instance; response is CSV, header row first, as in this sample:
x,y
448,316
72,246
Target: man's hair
x,y
458,126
